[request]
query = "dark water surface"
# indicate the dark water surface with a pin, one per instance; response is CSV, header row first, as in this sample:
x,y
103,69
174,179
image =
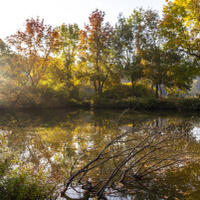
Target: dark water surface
x,y
54,138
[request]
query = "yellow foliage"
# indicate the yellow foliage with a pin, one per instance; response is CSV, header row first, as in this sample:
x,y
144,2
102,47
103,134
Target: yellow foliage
x,y
144,62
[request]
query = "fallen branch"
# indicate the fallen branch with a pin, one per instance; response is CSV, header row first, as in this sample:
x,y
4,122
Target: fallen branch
x,y
135,153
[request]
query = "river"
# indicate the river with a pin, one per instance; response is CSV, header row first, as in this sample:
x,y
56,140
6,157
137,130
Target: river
x,y
54,138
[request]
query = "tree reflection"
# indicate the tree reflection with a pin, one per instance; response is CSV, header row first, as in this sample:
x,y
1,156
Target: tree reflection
x,y
133,155
63,142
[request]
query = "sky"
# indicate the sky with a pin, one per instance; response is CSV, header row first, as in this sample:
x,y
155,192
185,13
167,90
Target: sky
x,y
14,13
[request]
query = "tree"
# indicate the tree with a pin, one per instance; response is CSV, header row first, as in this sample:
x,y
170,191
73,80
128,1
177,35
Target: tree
x,y
180,26
10,77
139,45
165,67
95,51
127,49
157,65
60,76
156,68
69,35
4,49
36,44
34,47
4,53
149,44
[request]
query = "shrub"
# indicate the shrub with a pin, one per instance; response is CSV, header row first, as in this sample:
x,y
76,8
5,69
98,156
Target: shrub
x,y
19,181
123,91
22,184
188,104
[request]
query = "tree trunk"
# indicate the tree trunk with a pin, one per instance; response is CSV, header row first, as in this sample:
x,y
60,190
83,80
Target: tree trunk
x,y
157,91
160,88
132,87
16,100
133,90
95,85
99,86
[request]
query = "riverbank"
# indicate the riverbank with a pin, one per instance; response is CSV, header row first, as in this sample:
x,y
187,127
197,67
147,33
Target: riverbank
x,y
179,104
42,141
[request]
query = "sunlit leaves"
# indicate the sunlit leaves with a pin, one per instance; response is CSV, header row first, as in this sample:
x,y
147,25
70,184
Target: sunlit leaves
x,y
34,48
36,44
69,36
181,22
95,51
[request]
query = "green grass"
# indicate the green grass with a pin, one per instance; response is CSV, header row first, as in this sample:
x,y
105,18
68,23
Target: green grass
x,y
189,104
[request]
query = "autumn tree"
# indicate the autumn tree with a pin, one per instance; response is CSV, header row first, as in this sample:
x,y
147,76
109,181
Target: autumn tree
x,y
95,60
180,26
34,47
69,36
60,76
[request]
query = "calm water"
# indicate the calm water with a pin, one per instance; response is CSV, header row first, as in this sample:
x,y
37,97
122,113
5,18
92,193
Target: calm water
x,y
53,139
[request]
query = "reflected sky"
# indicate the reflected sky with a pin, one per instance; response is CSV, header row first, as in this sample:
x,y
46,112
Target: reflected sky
x,y
54,138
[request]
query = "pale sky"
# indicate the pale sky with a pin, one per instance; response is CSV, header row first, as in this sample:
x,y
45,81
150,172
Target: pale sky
x,y
14,13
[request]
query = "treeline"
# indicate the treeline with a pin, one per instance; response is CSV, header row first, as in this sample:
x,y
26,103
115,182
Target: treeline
x,y
49,66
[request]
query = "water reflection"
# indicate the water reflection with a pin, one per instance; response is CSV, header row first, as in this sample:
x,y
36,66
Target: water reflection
x,y
53,139
196,133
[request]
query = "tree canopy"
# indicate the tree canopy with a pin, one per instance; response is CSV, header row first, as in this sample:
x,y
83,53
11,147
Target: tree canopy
x,y
69,63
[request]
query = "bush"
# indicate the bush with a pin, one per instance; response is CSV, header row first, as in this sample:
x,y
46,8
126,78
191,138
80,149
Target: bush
x,y
188,104
22,184
124,91
19,181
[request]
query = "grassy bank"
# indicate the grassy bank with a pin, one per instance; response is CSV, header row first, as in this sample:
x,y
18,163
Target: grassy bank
x,y
117,96
180,104
192,104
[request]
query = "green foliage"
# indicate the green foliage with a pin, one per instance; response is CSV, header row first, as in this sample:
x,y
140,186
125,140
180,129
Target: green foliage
x,y
4,52
17,180
187,104
65,66
180,26
118,91
127,45
24,184
123,91
95,52
69,35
